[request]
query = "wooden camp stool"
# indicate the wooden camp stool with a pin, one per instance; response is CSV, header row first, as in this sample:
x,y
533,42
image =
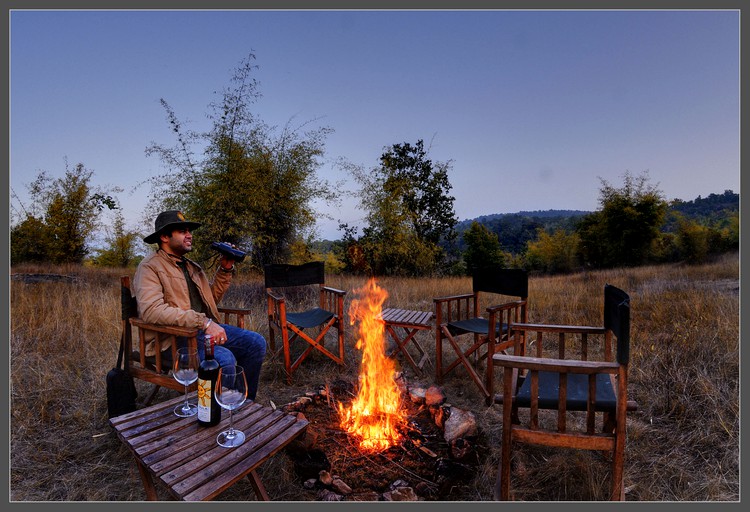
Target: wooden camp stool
x,y
186,458
410,323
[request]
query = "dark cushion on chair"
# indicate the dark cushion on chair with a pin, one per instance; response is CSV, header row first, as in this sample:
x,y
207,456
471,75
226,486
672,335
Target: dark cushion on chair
x,y
578,392
474,325
311,318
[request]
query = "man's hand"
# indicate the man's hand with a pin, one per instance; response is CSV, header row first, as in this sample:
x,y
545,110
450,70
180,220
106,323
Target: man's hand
x,y
217,332
226,261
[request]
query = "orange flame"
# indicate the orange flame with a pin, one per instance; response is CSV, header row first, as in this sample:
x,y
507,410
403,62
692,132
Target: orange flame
x,y
375,414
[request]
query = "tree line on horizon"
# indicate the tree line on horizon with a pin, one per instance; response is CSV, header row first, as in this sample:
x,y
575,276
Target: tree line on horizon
x,y
254,185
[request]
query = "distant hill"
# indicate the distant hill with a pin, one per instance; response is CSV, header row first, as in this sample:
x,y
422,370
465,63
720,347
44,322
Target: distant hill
x,y
541,214
709,205
707,210
515,229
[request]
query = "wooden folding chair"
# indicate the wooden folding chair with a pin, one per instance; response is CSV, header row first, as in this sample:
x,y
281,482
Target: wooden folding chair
x,y
577,372
459,320
156,369
325,314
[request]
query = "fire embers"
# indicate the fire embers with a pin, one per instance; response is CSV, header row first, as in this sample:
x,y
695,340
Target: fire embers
x,y
439,451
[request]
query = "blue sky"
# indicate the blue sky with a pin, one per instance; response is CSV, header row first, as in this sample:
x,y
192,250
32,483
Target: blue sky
x,y
530,107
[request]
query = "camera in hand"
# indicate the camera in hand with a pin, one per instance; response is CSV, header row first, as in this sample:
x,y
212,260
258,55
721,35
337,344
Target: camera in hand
x,y
228,251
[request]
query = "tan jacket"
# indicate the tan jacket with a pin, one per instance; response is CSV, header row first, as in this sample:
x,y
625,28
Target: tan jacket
x,y
162,294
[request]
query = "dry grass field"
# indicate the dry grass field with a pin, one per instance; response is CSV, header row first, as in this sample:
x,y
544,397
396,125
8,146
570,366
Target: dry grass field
x,y
683,441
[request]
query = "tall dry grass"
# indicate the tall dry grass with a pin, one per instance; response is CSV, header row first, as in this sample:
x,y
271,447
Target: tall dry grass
x,y
683,441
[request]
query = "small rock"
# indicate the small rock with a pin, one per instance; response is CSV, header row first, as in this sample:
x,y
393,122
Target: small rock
x,y
401,494
364,496
340,486
310,483
326,495
398,483
461,423
434,396
325,477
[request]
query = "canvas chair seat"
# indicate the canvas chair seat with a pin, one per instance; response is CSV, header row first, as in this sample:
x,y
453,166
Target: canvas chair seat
x,y
308,319
577,392
476,326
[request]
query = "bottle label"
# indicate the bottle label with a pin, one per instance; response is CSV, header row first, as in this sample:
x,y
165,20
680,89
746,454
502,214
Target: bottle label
x,y
204,400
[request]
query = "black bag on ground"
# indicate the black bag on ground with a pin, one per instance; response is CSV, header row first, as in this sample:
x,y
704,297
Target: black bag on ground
x,y
121,392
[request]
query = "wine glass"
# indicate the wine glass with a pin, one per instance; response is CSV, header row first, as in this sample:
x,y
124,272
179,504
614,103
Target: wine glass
x,y
186,372
231,393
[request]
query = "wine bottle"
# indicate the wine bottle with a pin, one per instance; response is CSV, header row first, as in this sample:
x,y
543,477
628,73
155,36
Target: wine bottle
x,y
209,411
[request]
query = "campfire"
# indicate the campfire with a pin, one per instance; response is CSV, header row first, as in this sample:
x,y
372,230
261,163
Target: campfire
x,y
382,438
376,416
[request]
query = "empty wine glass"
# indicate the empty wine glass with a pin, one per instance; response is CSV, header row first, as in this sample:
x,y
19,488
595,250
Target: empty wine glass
x,y
231,393
185,372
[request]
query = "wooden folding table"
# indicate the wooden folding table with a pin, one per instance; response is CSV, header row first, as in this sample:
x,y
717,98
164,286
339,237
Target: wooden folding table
x,y
185,456
411,322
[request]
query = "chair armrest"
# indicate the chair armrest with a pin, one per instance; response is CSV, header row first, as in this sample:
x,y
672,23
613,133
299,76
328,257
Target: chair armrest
x,y
234,311
507,305
575,329
276,297
161,331
451,308
448,298
554,365
239,313
165,329
332,299
334,290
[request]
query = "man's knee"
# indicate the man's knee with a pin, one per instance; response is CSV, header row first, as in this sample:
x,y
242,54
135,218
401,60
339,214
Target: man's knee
x,y
224,356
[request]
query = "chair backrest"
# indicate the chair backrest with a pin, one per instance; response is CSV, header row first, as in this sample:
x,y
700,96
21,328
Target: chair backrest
x,y
127,301
503,281
617,319
282,274
129,309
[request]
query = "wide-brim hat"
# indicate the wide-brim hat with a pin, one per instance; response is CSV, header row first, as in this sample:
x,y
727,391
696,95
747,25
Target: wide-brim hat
x,y
172,219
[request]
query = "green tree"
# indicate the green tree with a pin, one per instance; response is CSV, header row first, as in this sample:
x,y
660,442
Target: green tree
x,y
71,207
120,250
623,231
409,212
692,241
553,253
28,241
482,248
254,186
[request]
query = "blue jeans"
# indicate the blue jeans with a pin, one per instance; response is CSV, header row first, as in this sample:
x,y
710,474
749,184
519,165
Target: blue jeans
x,y
243,347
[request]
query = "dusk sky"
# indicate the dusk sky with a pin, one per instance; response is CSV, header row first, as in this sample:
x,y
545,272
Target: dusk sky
x,y
531,108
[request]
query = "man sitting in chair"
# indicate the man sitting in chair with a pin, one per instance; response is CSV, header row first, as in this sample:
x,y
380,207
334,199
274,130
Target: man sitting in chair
x,y
173,290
